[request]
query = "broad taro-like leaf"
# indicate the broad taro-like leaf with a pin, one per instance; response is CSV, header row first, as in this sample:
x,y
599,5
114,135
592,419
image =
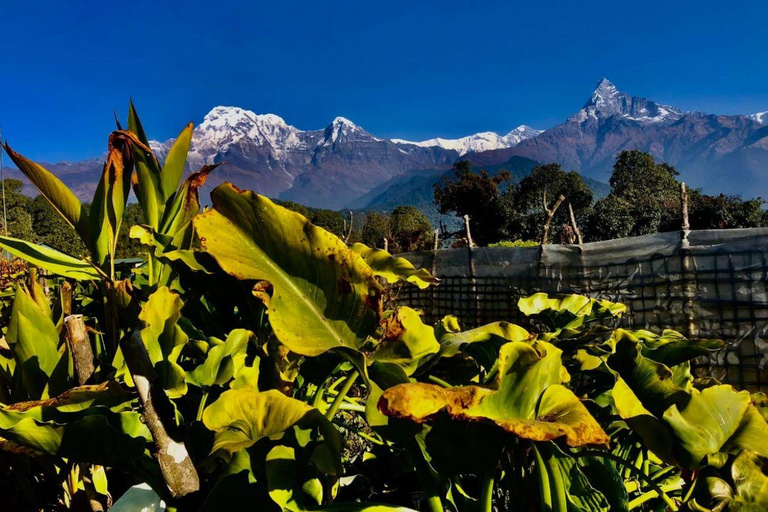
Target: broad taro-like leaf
x,y
406,340
33,340
570,312
221,361
672,348
86,424
63,200
323,295
240,417
749,492
164,338
393,269
452,340
689,428
285,491
530,402
50,259
717,420
569,487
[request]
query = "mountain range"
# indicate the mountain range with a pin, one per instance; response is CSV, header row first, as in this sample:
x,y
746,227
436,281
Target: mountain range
x,y
343,165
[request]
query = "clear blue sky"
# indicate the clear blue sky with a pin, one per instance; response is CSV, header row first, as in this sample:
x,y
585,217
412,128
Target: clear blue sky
x,y
413,69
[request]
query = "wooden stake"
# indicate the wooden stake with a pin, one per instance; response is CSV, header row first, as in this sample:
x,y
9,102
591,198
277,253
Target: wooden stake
x,y
573,224
550,212
351,223
470,242
386,244
80,347
437,240
176,466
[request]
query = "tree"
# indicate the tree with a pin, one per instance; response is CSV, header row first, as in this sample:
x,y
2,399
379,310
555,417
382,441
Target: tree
x,y
376,229
644,198
51,229
329,220
539,192
725,212
478,195
410,229
17,207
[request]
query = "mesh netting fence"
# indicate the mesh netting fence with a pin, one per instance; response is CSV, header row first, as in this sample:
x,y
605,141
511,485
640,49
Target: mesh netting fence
x,y
711,284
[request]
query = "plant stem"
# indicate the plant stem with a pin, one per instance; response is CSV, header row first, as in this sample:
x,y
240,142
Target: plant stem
x,y
435,504
352,407
486,493
330,413
648,495
632,469
439,381
201,407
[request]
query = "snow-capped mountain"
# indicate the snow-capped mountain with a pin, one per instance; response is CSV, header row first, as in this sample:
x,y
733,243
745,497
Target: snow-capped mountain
x,y
760,117
722,154
327,167
607,101
342,164
483,141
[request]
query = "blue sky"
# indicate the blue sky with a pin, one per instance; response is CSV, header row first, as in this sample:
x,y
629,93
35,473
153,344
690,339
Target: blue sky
x,y
412,70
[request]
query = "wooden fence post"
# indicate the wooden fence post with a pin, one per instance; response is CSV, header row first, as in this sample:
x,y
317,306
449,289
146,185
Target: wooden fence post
x,y
689,289
470,242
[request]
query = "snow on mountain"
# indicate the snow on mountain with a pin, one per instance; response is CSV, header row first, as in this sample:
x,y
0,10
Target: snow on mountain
x,y
607,101
760,117
484,141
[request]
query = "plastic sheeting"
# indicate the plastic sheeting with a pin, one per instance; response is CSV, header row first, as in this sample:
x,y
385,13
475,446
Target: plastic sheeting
x,y
712,284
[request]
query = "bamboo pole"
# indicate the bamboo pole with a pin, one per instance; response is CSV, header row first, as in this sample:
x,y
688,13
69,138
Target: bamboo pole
x,y
574,225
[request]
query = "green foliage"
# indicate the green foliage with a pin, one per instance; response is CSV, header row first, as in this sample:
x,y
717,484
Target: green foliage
x,y
551,180
479,195
261,367
515,243
375,229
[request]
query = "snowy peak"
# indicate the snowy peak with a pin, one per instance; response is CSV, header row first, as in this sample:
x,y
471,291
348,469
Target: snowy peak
x,y
607,101
483,141
760,117
342,129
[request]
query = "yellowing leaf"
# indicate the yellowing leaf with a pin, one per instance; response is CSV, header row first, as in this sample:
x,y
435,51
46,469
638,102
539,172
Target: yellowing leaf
x,y
323,295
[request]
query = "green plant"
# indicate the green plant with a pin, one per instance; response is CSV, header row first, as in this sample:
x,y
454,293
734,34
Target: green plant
x,y
515,243
252,361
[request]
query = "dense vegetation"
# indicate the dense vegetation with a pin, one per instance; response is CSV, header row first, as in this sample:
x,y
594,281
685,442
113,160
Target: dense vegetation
x,y
644,198
255,361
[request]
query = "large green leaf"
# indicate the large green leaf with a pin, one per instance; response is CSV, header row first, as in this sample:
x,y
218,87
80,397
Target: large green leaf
x,y
282,477
406,340
182,208
570,312
50,259
33,339
452,342
689,428
530,402
240,417
221,361
53,189
323,295
717,420
164,338
86,424
393,269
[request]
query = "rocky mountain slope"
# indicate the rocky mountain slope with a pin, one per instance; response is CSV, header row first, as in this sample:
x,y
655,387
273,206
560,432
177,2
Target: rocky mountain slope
x,y
343,165
718,153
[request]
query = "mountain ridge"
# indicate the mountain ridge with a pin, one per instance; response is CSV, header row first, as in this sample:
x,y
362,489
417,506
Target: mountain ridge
x,y
341,164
